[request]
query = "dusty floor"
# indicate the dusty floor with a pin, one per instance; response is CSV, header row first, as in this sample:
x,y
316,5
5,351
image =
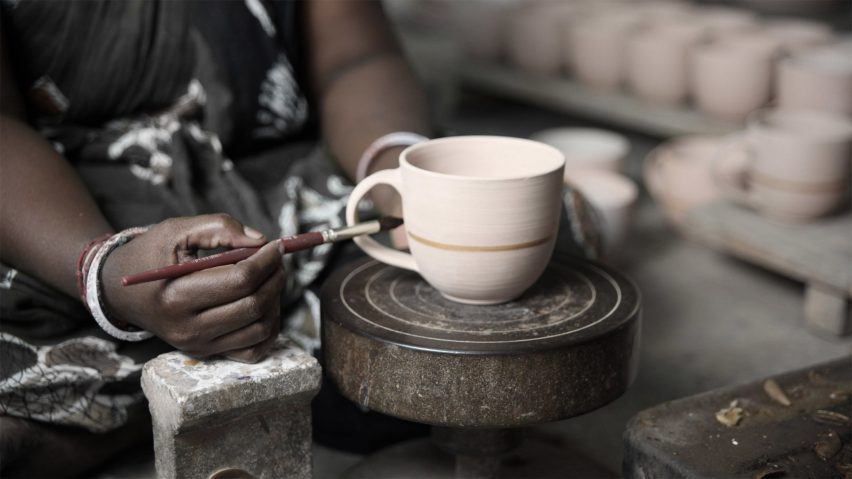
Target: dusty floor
x,y
709,320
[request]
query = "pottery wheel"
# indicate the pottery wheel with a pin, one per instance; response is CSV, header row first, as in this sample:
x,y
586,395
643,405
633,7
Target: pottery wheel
x,y
393,344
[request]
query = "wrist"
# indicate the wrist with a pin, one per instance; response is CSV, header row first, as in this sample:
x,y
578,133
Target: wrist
x,y
94,287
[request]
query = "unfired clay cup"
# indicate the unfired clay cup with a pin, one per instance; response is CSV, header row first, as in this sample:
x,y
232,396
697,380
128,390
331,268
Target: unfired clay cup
x,y
799,165
481,213
799,35
731,78
480,27
614,196
534,37
724,21
679,173
598,48
586,148
658,61
817,80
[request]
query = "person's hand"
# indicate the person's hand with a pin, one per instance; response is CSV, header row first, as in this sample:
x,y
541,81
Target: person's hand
x,y
232,310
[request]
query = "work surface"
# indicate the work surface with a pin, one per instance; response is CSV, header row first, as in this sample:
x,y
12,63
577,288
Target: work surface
x,y
708,320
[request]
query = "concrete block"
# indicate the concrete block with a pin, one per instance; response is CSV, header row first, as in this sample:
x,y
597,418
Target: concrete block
x,y
215,415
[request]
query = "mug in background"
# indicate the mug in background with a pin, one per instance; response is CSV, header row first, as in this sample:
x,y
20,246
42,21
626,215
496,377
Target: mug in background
x,y
614,197
732,77
598,47
799,165
481,212
657,61
587,148
819,79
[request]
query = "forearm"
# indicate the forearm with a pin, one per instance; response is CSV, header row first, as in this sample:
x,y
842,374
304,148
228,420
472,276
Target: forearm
x,y
46,213
374,100
366,87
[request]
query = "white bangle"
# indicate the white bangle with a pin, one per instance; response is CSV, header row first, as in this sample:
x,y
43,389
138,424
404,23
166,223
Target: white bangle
x,y
93,286
382,143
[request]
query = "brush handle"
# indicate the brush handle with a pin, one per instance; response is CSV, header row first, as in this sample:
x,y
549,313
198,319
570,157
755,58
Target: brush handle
x,y
291,245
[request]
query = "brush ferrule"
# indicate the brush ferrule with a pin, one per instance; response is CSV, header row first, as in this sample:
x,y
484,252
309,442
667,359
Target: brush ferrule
x,y
366,228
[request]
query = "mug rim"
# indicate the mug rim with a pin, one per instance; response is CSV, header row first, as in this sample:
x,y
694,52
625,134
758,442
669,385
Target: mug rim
x,y
404,163
756,122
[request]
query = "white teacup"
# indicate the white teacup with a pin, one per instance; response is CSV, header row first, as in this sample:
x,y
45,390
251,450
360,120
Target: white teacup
x,y
613,196
799,35
597,47
481,213
731,78
819,79
799,164
534,37
587,148
657,61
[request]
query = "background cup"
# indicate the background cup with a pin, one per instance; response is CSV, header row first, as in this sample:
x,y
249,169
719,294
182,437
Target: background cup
x,y
481,212
722,22
587,148
731,78
818,79
598,47
799,35
798,166
613,196
657,61
534,37
480,27
679,173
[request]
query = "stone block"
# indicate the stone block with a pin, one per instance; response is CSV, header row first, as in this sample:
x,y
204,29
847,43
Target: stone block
x,y
215,415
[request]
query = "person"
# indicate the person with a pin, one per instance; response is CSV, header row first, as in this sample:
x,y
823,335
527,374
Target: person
x,y
202,125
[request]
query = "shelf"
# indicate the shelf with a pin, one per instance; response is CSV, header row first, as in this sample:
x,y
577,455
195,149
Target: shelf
x,y
568,96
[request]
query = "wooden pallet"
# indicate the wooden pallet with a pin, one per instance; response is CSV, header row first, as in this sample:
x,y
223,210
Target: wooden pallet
x,y
817,253
569,96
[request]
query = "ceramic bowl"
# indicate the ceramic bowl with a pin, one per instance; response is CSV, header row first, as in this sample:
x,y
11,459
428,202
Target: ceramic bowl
x,y
679,173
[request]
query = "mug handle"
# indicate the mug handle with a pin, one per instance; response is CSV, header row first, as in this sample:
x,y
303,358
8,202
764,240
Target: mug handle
x,y
369,245
738,192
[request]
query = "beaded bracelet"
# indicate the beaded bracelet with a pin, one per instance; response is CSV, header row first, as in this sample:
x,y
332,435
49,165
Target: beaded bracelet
x,y
94,289
391,140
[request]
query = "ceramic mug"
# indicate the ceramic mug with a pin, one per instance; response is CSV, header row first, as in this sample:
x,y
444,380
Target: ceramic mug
x,y
799,164
614,197
657,61
799,35
731,78
597,49
481,214
587,148
817,80
534,37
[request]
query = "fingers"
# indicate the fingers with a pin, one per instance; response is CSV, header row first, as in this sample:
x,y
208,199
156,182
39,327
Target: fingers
x,y
251,335
254,353
240,324
225,284
211,232
227,318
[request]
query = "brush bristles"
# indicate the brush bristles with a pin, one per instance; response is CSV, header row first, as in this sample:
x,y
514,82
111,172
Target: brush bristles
x,y
389,222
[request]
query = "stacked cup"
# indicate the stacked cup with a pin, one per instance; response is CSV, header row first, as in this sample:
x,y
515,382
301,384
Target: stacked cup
x,y
594,160
799,164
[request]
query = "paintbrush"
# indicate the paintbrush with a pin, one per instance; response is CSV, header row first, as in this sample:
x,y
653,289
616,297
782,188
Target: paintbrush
x,y
291,245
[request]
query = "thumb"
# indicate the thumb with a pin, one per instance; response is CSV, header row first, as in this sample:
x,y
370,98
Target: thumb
x,y
216,231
